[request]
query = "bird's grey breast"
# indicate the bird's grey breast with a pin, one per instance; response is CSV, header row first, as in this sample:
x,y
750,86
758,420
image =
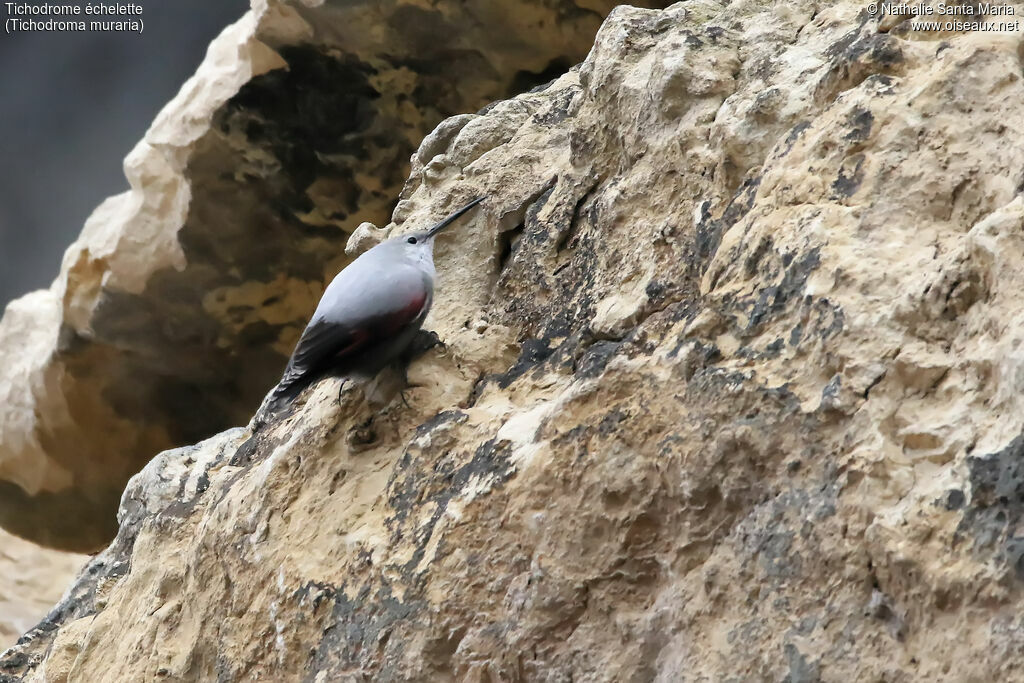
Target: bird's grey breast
x,y
379,282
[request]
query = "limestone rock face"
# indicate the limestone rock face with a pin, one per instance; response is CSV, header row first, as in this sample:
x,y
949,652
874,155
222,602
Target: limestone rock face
x,y
176,309
730,390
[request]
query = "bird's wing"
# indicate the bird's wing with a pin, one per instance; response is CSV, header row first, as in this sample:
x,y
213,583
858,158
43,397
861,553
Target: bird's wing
x,y
326,343
321,342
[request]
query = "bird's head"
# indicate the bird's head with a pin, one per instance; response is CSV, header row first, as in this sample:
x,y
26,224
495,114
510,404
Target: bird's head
x,y
420,244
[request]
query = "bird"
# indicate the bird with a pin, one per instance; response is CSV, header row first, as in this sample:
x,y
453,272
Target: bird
x,y
367,316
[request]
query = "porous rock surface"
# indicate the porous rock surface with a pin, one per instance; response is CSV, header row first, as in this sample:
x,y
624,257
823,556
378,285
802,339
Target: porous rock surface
x,y
729,391
179,304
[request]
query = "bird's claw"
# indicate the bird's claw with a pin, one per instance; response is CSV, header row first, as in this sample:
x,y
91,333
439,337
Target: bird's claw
x,y
341,390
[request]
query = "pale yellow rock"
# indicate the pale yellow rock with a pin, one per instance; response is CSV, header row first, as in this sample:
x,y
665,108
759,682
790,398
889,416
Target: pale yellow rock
x,y
730,390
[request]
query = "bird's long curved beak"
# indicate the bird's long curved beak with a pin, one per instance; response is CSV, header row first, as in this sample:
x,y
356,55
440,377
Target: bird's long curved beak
x,y
448,221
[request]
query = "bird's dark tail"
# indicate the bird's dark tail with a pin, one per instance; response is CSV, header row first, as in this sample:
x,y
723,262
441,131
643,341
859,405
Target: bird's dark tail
x,y
279,398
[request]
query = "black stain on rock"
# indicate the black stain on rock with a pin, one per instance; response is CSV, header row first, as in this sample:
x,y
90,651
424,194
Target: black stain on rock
x,y
954,499
830,393
864,40
996,507
533,353
710,231
314,594
850,177
413,487
859,122
879,48
773,299
557,109
880,83
540,353
359,627
561,300
594,359
858,55
796,334
692,40
611,422
656,291
827,318
442,418
795,133
754,259
800,669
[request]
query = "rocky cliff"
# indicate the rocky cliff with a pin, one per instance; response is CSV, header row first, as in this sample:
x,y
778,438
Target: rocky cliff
x,y
730,389
183,297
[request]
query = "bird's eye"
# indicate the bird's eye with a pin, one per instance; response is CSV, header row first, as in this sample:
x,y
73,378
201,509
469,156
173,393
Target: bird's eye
x,y
411,240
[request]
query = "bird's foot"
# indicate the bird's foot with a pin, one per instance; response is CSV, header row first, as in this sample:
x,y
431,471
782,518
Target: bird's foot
x,y
341,389
420,344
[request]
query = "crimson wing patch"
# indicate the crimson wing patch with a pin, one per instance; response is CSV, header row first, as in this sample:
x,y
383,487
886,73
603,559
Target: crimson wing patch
x,y
325,345
321,345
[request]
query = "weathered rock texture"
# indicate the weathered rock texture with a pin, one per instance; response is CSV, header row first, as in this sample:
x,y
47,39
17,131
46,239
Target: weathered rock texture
x,y
32,579
177,307
736,397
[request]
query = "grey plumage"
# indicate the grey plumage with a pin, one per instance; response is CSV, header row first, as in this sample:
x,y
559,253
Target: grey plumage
x,y
367,316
